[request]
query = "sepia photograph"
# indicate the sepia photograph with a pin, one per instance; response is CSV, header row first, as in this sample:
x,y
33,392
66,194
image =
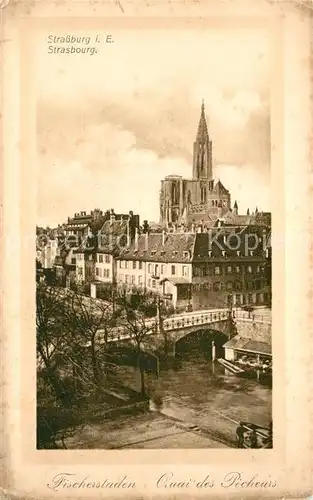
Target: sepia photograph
x,y
153,241
156,252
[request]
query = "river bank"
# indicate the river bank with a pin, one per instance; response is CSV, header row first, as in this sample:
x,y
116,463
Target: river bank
x,y
151,430
194,404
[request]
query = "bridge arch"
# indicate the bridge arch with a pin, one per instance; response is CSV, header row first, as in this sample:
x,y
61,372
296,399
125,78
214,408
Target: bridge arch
x,y
201,339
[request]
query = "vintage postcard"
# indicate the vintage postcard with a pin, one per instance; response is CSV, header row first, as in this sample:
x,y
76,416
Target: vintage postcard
x,y
156,249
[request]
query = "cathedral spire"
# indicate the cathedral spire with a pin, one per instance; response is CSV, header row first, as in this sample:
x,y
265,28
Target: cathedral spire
x,y
202,151
202,132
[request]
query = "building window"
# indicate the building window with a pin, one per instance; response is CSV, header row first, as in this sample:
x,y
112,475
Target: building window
x,y
237,269
156,270
134,264
140,280
229,286
73,261
203,195
257,269
249,269
108,273
229,269
153,284
216,286
238,299
140,264
100,257
217,270
107,259
133,279
238,286
149,283
162,269
173,270
97,271
126,278
149,268
126,264
185,270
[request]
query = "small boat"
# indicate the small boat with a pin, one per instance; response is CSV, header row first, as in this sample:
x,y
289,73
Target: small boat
x,y
230,366
263,439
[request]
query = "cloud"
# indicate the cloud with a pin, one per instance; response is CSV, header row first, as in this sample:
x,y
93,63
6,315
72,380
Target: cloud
x,y
110,127
125,177
243,181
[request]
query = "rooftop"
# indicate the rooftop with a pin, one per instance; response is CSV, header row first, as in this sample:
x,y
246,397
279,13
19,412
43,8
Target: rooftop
x,y
248,345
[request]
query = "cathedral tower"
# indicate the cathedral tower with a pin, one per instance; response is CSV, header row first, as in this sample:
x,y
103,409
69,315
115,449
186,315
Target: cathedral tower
x,y
202,151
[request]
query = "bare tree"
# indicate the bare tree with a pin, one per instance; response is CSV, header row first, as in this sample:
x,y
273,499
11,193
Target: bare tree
x,y
137,325
50,335
90,323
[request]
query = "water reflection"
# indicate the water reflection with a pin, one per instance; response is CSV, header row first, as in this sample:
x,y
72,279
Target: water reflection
x,y
203,392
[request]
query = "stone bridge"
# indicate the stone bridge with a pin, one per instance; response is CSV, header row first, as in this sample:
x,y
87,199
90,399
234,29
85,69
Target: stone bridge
x,y
218,322
221,324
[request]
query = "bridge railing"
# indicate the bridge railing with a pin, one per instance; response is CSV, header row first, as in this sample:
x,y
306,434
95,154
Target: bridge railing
x,y
177,322
257,318
195,319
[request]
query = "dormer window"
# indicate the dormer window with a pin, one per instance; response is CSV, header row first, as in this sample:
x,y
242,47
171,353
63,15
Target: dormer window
x,y
186,254
174,252
153,252
224,253
238,253
162,252
210,253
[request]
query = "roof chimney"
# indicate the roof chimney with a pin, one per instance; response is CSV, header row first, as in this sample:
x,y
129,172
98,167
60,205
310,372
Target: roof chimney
x,y
236,208
136,239
112,216
128,234
146,241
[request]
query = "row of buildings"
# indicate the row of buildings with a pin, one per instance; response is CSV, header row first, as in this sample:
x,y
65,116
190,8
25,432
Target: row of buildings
x,y
201,254
196,269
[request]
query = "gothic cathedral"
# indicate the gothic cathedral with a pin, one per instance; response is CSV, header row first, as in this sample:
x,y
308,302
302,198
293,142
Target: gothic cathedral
x,y
188,201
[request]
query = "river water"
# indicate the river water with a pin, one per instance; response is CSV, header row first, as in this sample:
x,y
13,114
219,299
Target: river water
x,y
200,391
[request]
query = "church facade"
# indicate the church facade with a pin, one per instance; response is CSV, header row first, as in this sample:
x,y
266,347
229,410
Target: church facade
x,y
188,201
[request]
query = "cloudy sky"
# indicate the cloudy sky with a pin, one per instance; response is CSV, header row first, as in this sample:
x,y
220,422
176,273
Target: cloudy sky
x,y
112,125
